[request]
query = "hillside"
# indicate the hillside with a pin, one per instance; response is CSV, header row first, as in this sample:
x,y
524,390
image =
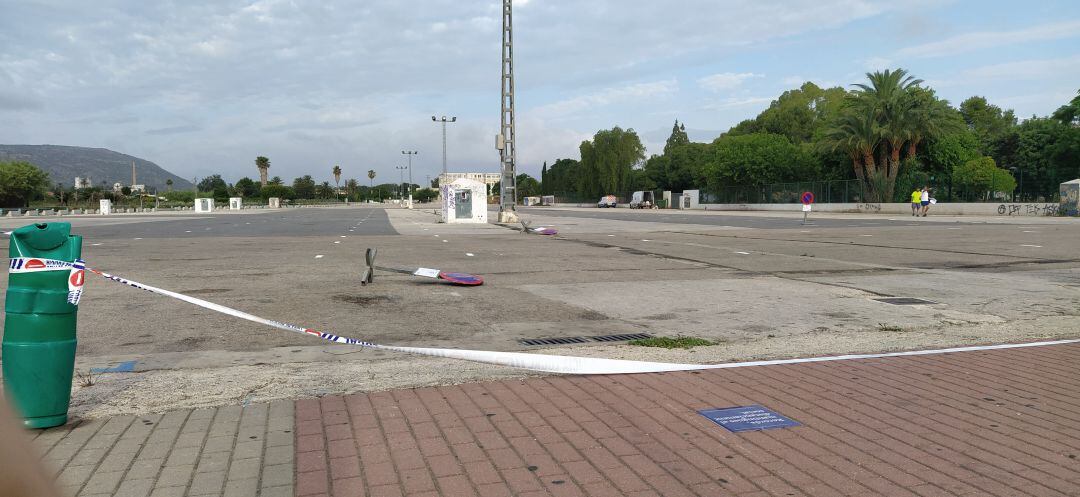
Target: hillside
x,y
64,163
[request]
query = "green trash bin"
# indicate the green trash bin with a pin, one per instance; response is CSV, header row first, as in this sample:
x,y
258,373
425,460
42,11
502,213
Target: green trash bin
x,y
45,278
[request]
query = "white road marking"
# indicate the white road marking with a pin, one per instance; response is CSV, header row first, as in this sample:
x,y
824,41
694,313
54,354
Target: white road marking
x,y
187,231
138,238
446,241
743,253
319,256
866,235
337,241
1029,231
95,244
344,236
644,240
468,254
1034,246
611,235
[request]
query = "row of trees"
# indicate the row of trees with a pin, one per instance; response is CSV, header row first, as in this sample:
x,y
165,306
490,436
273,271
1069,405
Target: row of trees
x,y
891,134
302,188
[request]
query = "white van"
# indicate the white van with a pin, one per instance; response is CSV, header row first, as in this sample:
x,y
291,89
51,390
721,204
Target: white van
x,y
642,200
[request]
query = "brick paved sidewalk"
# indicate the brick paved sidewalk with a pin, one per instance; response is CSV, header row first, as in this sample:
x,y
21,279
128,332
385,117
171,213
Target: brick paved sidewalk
x,y
1002,422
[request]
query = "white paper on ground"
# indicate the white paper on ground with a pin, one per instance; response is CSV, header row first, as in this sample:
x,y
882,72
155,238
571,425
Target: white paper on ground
x,y
427,272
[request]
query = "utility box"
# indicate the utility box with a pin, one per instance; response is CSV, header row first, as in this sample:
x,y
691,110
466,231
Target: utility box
x,y
235,203
669,200
1070,198
274,202
204,205
690,199
106,207
530,201
464,201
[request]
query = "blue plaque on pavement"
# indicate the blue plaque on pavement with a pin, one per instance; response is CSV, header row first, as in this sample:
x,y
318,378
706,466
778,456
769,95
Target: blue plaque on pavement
x,y
748,418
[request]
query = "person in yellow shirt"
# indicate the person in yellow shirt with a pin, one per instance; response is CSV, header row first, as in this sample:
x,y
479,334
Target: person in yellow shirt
x,y
916,201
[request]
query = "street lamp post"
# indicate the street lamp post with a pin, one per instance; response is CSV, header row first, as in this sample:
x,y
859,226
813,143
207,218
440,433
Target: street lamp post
x,y
444,120
401,180
410,153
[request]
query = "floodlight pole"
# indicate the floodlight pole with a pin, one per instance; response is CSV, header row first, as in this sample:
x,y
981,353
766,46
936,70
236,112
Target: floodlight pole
x,y
444,120
410,153
401,180
505,141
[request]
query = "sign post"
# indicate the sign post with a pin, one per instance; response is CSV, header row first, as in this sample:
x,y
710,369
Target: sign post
x,y
807,200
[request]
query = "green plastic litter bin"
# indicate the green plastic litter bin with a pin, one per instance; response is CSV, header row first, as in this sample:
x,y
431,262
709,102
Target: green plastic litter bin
x,y
45,278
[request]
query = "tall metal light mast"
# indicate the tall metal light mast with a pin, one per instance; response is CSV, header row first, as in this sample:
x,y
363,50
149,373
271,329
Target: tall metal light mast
x,y
505,140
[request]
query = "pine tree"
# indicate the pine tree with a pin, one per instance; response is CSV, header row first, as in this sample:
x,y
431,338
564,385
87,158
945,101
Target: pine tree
x,y
678,137
544,185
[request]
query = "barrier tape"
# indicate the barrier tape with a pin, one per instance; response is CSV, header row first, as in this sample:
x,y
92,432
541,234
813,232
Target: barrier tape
x,y
543,362
76,272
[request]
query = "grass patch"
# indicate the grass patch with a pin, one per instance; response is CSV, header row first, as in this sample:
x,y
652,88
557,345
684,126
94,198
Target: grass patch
x,y
888,327
679,342
85,379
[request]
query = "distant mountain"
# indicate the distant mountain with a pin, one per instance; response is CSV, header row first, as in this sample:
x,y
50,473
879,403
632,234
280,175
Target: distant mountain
x,y
64,163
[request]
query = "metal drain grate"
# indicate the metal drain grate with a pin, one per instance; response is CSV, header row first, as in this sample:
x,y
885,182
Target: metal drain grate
x,y
622,338
573,340
905,301
553,341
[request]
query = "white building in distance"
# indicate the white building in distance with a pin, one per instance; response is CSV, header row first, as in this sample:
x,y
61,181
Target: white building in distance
x,y
83,182
488,179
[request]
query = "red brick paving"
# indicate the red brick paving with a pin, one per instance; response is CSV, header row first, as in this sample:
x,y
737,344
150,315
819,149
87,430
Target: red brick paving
x,y
1001,423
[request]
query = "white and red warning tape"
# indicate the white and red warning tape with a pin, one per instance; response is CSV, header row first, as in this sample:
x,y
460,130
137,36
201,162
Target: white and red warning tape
x,y
537,362
76,272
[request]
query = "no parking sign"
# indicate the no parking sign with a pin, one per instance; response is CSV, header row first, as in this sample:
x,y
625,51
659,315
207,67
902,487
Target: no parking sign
x,y
807,199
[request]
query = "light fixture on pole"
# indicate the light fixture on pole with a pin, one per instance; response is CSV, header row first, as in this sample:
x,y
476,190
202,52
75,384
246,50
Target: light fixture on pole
x,y
444,120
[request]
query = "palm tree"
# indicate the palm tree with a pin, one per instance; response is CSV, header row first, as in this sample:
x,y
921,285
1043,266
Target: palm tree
x,y
168,184
337,175
857,133
890,95
371,177
263,164
929,117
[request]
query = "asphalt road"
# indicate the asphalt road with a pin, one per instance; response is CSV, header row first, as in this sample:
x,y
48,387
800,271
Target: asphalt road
x,y
792,220
748,281
255,223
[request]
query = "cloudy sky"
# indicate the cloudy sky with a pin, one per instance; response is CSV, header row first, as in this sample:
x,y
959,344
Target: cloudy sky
x,y
204,86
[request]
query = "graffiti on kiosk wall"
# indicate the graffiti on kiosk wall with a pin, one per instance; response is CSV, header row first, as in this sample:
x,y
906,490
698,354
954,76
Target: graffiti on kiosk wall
x,y
870,207
1028,209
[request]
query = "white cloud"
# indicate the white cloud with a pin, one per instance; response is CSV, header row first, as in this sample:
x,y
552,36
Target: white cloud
x,y
1028,69
726,81
989,39
619,94
794,80
732,102
876,63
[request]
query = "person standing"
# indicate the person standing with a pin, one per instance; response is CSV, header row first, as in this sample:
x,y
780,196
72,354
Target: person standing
x,y
916,201
924,199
